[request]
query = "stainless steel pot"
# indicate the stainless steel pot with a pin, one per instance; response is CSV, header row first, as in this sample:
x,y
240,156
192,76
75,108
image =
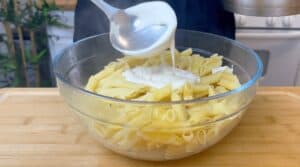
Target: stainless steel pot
x,y
263,7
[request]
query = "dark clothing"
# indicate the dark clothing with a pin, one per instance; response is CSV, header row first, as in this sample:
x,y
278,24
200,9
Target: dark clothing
x,y
199,15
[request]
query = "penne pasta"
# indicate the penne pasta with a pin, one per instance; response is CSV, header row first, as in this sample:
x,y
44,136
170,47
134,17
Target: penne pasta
x,y
170,129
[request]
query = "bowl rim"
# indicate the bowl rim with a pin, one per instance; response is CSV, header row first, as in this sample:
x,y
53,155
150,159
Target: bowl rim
x,y
248,84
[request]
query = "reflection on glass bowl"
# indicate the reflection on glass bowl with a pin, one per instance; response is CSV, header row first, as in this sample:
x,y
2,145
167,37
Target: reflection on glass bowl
x,y
114,122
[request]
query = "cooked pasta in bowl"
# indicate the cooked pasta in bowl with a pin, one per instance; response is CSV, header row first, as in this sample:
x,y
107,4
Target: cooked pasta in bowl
x,y
135,114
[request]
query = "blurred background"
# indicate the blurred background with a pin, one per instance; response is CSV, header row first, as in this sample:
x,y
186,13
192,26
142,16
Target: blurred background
x,y
32,32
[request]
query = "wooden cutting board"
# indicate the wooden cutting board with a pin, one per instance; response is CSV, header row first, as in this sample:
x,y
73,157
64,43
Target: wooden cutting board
x,y
62,4
36,129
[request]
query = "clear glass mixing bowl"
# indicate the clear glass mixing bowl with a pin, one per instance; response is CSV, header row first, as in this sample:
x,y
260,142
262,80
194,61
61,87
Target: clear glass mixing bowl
x,y
104,116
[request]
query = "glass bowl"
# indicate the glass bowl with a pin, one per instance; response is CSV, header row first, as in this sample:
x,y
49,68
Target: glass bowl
x,y
117,123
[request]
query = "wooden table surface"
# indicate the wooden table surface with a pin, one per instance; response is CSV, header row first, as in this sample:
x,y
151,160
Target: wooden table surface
x,y
36,129
62,4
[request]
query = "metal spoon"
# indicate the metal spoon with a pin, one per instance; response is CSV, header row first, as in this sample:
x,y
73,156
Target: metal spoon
x,y
130,34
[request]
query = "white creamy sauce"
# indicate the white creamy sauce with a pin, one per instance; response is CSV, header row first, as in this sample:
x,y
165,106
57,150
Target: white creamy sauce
x,y
220,69
160,76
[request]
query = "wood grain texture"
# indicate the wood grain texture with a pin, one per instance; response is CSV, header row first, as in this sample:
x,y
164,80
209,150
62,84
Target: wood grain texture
x,y
37,130
62,4
66,4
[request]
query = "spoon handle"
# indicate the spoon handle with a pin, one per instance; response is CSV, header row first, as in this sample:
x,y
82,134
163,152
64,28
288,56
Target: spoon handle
x,y
105,7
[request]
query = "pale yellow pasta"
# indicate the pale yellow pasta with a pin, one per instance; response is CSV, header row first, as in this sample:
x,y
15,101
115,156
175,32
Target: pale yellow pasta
x,y
200,90
163,94
92,84
211,79
187,52
229,81
158,127
188,93
210,63
197,62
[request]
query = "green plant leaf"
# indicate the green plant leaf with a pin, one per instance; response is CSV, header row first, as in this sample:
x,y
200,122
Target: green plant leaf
x,y
42,16
35,59
6,61
39,56
27,54
31,18
10,66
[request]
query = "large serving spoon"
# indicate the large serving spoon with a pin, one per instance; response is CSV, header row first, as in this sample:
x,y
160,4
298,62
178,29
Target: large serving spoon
x,y
142,30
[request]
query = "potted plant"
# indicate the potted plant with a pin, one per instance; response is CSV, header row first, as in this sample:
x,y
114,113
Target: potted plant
x,y
26,62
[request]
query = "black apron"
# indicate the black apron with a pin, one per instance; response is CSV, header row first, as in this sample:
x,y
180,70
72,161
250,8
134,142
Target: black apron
x,y
199,15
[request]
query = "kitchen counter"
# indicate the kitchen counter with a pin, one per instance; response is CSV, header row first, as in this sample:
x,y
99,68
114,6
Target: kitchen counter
x,y
36,129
